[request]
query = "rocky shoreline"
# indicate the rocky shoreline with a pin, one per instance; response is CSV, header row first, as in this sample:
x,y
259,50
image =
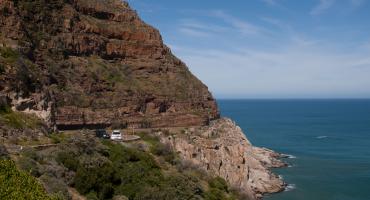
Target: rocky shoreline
x,y
222,149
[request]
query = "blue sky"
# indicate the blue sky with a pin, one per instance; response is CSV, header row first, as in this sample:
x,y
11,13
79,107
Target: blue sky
x,y
269,48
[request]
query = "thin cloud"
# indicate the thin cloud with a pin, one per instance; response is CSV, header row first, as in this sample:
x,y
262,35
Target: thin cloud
x,y
223,22
279,24
357,3
270,2
193,32
242,26
196,24
196,28
322,7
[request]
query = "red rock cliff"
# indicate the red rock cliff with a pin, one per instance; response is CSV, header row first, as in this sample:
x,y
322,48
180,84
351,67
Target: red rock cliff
x,y
92,63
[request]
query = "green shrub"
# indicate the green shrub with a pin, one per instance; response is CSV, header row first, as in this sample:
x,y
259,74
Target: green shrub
x,y
9,54
94,179
19,120
29,165
135,169
17,185
13,120
56,187
92,196
57,138
215,194
218,183
219,190
68,159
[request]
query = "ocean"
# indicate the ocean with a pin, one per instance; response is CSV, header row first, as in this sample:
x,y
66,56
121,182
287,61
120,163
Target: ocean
x,y
328,140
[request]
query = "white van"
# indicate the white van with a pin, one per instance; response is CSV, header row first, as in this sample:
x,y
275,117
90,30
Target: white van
x,y
116,135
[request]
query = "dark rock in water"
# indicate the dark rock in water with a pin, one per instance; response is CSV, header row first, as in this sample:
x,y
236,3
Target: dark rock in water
x,y
91,63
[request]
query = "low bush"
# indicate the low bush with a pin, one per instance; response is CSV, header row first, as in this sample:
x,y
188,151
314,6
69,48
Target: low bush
x,y
96,179
68,159
219,190
29,165
56,187
218,183
19,120
18,185
9,54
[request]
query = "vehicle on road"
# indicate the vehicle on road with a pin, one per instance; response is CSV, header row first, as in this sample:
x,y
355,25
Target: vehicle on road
x,y
102,133
116,135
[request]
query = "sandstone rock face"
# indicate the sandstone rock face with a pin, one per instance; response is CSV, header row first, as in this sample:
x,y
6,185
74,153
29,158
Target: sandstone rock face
x,y
97,64
222,149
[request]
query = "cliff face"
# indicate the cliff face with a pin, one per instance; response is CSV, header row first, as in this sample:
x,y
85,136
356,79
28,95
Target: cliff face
x,y
222,149
94,63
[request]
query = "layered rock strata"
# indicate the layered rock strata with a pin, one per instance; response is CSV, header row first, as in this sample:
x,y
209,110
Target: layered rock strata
x,y
222,149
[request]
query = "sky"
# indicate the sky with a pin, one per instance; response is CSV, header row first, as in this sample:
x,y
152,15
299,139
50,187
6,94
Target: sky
x,y
269,48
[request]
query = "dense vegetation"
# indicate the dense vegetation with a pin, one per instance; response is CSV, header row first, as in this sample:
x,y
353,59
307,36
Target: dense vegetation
x,y
103,170
15,184
18,120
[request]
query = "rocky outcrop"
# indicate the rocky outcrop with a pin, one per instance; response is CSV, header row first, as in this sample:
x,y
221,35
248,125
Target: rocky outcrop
x,y
97,64
222,149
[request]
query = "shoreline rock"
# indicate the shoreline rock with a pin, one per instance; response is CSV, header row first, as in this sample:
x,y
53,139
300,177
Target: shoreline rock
x,y
222,149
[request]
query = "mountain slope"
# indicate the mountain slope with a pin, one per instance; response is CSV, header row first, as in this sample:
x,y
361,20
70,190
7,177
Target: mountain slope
x,y
94,63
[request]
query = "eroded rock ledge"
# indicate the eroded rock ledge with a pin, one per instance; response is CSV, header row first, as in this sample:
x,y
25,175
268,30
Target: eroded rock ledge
x,y
222,149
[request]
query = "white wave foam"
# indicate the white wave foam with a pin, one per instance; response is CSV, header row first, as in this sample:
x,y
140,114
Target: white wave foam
x,y
290,187
321,137
288,156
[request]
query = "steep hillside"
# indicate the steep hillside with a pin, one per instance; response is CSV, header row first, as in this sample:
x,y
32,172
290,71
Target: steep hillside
x,y
94,63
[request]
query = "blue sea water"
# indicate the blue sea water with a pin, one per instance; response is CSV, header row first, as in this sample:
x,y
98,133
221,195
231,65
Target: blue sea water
x,y
330,140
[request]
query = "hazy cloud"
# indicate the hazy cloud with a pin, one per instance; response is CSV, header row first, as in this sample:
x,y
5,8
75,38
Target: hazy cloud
x,y
193,27
322,6
270,2
357,3
242,26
